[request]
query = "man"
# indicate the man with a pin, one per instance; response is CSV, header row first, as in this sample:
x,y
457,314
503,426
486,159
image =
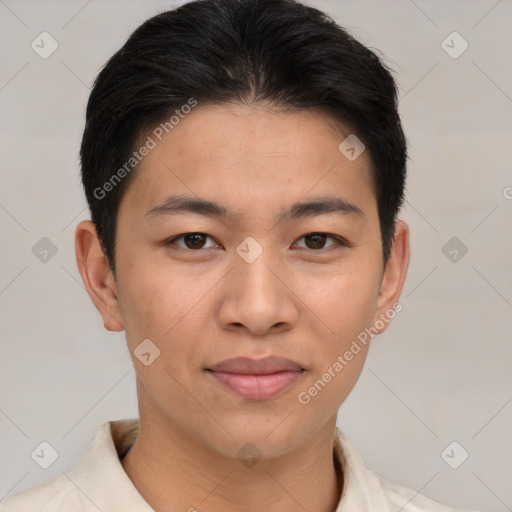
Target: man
x,y
244,163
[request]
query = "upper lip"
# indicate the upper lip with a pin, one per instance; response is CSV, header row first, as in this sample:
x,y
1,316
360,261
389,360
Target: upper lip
x,y
249,366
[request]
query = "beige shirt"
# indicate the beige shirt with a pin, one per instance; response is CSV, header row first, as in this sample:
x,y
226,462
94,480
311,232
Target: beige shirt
x,y
98,483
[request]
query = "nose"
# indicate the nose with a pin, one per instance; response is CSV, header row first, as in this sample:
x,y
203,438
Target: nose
x,y
258,297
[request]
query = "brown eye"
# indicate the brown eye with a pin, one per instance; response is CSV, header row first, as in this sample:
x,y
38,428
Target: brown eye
x,y
192,241
316,241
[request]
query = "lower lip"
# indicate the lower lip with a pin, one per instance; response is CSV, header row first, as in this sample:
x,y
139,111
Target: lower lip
x,y
257,387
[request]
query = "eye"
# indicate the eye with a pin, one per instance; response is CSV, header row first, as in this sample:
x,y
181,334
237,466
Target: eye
x,y
317,240
196,241
192,241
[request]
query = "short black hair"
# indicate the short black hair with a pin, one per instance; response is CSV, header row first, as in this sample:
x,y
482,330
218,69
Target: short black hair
x,y
278,52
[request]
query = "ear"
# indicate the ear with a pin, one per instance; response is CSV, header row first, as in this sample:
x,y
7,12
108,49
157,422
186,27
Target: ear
x,y
393,278
97,276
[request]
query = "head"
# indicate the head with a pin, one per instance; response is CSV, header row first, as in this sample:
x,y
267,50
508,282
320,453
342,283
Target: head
x,y
244,164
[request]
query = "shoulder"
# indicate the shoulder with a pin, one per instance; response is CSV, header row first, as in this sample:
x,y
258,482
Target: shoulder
x,y
403,499
97,482
56,495
367,490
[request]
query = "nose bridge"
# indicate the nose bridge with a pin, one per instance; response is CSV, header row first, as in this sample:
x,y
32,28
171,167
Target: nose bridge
x,y
257,297
255,271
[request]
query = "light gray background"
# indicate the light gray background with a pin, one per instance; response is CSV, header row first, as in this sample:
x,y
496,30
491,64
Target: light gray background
x,y
441,372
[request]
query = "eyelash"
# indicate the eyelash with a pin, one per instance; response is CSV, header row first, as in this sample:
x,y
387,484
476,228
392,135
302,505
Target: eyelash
x,y
341,241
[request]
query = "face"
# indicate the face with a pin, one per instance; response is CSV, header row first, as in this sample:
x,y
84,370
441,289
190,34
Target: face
x,y
252,276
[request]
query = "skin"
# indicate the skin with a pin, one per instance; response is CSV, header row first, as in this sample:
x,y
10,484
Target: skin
x,y
201,303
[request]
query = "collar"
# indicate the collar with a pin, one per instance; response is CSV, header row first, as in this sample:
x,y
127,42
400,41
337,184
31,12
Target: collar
x,y
104,485
362,490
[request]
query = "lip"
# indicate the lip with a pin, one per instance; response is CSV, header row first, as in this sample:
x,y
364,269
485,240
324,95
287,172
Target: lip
x,y
256,379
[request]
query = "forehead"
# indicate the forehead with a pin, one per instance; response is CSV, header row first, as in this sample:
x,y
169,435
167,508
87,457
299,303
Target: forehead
x,y
238,131
251,155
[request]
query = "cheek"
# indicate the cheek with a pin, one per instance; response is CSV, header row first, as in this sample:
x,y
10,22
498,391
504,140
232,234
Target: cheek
x,y
343,302
158,304
343,305
158,307
321,396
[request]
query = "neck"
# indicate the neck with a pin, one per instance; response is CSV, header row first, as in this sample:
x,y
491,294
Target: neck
x,y
173,471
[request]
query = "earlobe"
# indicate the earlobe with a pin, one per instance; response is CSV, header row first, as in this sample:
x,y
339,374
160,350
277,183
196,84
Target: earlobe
x,y
394,277
97,275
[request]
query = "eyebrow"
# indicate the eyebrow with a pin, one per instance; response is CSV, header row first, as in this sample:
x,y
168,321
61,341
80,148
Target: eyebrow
x,y
177,204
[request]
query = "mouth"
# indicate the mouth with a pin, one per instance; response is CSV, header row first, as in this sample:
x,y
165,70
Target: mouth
x,y
256,379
